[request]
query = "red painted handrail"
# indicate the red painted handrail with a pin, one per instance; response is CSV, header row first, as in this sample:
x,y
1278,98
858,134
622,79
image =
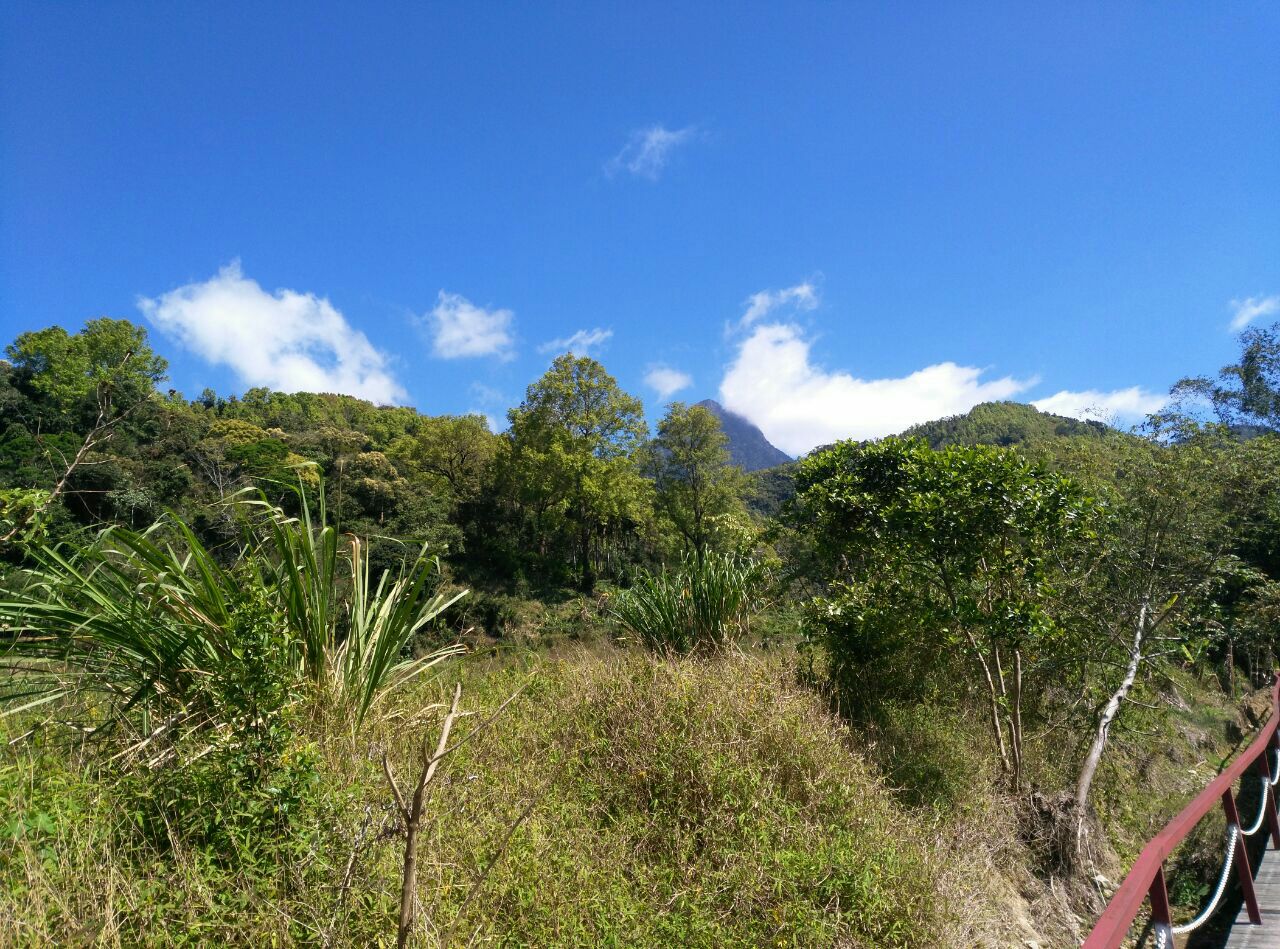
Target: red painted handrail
x,y
1146,879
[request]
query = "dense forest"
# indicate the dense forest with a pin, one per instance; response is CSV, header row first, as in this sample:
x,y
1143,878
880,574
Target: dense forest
x,y
296,668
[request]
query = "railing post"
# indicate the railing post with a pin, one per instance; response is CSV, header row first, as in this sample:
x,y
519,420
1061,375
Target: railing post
x,y
1269,796
1243,871
1161,919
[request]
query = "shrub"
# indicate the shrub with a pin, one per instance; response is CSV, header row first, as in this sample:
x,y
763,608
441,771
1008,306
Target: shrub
x,y
238,788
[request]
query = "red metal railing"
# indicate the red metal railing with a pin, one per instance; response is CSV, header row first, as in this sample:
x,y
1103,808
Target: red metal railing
x,y
1146,879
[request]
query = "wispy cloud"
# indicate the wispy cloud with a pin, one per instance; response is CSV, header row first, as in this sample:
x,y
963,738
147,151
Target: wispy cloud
x,y
803,296
490,403
1249,309
667,381
286,340
648,151
460,329
800,405
1114,407
581,343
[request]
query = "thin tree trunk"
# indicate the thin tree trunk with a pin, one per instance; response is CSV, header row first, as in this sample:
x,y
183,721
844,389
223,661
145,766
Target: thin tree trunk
x,y
588,575
1084,783
1015,721
996,728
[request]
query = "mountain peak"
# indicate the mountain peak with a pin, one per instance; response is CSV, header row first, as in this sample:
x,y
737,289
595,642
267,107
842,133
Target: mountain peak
x,y
748,448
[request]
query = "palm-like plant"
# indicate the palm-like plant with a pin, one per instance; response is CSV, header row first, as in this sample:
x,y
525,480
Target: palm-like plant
x,y
352,629
146,619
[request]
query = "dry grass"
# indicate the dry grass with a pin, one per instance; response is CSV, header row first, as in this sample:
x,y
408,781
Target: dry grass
x,y
654,802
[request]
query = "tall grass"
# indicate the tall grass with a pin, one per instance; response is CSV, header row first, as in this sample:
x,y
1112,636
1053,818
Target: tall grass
x,y
147,620
700,606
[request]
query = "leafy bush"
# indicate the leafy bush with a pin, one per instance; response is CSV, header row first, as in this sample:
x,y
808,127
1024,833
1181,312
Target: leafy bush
x,y
236,790
963,552
22,515
703,605
495,613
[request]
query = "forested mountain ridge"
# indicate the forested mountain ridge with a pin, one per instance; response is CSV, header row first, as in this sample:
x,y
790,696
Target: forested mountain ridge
x,y
989,423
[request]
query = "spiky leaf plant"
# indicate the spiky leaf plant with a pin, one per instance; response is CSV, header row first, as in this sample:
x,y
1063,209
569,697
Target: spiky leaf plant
x,y
146,620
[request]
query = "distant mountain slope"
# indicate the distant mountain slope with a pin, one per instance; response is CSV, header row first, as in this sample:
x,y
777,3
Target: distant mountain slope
x,y
748,447
1001,423
771,488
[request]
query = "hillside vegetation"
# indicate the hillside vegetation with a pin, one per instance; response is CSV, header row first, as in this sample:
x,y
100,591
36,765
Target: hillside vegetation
x,y
292,668
1002,423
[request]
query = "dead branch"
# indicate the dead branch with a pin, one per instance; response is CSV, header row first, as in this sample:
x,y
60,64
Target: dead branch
x,y
412,816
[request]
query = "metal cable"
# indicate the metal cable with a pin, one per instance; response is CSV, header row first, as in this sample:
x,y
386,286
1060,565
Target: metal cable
x,y
1233,836
1262,808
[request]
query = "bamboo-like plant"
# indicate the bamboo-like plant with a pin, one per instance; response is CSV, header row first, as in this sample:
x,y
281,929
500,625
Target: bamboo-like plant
x,y
145,619
702,605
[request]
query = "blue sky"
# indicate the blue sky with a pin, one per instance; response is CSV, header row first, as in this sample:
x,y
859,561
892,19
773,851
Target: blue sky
x,y
837,218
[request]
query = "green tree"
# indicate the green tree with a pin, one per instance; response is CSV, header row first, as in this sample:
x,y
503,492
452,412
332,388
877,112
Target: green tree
x,y
90,382
1160,583
572,439
99,373
933,552
456,449
689,464
1246,393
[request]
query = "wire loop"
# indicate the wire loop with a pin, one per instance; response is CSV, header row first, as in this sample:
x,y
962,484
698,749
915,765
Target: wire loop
x,y
1233,837
1262,808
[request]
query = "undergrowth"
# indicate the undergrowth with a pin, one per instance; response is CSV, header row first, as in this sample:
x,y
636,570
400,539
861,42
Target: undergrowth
x,y
621,799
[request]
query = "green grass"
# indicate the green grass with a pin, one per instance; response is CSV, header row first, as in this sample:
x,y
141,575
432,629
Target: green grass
x,y
622,799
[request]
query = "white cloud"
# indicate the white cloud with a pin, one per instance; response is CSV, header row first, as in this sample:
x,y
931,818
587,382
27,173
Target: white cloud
x,y
286,340
460,329
667,381
1250,308
490,403
580,343
1131,404
647,151
803,296
799,405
